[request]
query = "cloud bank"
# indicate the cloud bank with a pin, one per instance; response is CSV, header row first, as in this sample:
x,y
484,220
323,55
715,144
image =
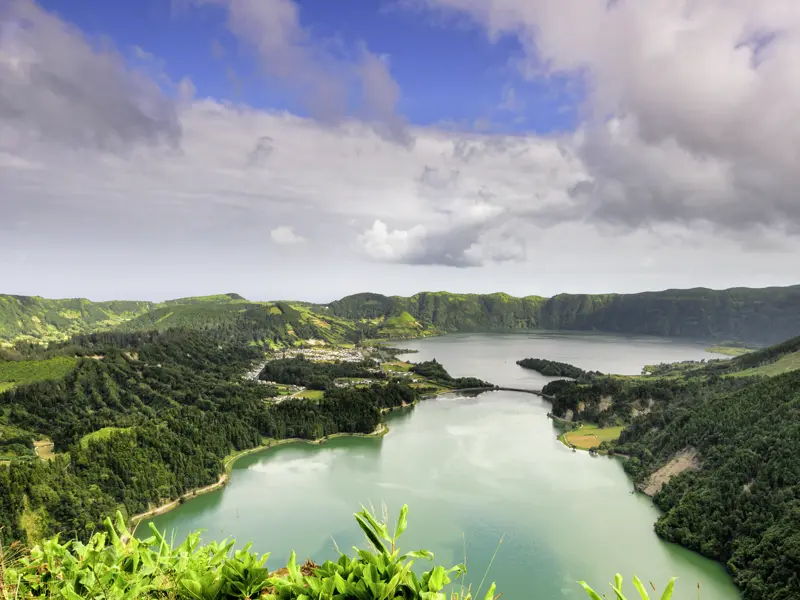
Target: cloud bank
x,y
691,130
693,108
56,85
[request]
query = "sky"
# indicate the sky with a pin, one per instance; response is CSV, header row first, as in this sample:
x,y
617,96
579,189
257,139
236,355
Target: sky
x,y
309,149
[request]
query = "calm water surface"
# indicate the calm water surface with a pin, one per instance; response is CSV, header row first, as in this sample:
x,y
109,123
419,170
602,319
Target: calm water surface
x,y
473,471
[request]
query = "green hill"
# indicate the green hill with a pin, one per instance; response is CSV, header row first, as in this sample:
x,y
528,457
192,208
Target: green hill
x,y
740,500
738,315
213,299
276,324
40,319
715,444
756,316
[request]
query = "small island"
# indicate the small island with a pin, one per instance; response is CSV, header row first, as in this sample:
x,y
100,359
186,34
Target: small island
x,y
552,368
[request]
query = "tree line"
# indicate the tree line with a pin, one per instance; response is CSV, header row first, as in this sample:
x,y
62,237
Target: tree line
x,y
434,371
171,406
318,375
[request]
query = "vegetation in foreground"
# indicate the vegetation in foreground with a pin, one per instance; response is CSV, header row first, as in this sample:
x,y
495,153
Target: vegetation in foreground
x,y
154,415
115,565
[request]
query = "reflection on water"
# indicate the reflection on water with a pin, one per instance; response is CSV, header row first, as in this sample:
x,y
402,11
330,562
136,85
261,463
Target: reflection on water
x,y
472,470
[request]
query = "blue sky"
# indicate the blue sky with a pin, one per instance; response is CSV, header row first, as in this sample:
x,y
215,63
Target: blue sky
x,y
447,68
661,149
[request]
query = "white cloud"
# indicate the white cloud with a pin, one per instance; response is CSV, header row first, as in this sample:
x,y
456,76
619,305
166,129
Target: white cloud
x,y
393,246
289,53
705,95
285,236
174,186
55,85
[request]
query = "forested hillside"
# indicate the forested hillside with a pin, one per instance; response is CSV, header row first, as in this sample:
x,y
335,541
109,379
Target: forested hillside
x,y
274,324
759,316
755,316
715,443
46,320
742,504
145,417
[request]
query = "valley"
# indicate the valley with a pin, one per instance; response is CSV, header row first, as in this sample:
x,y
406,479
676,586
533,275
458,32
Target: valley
x,y
162,411
735,319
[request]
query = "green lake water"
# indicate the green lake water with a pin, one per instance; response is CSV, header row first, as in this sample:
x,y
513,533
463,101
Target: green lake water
x,y
473,470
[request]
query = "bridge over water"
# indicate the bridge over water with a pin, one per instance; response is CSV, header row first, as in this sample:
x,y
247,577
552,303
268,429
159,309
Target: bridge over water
x,y
499,388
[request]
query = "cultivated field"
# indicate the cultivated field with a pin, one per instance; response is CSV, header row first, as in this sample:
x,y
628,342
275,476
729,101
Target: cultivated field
x,y
586,437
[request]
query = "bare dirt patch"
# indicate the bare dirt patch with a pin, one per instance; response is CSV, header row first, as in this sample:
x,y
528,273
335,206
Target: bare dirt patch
x,y
685,460
44,449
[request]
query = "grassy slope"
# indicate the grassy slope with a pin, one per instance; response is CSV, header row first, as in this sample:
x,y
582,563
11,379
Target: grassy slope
x,y
212,299
400,325
32,317
27,371
192,316
310,394
774,360
591,436
728,350
785,364
102,434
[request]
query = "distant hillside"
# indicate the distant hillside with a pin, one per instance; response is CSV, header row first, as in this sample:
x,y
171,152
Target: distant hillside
x,y
48,320
775,360
753,316
276,324
757,316
213,299
438,312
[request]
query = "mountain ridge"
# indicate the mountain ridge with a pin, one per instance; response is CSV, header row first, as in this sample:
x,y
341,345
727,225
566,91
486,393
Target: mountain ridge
x,y
760,316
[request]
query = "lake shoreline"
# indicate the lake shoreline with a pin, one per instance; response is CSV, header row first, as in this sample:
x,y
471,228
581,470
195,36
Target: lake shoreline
x,y
379,432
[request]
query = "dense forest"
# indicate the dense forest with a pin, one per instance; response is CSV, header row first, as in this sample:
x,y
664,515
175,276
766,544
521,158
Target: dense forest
x,y
317,375
552,368
147,418
759,316
438,374
739,315
742,506
740,501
